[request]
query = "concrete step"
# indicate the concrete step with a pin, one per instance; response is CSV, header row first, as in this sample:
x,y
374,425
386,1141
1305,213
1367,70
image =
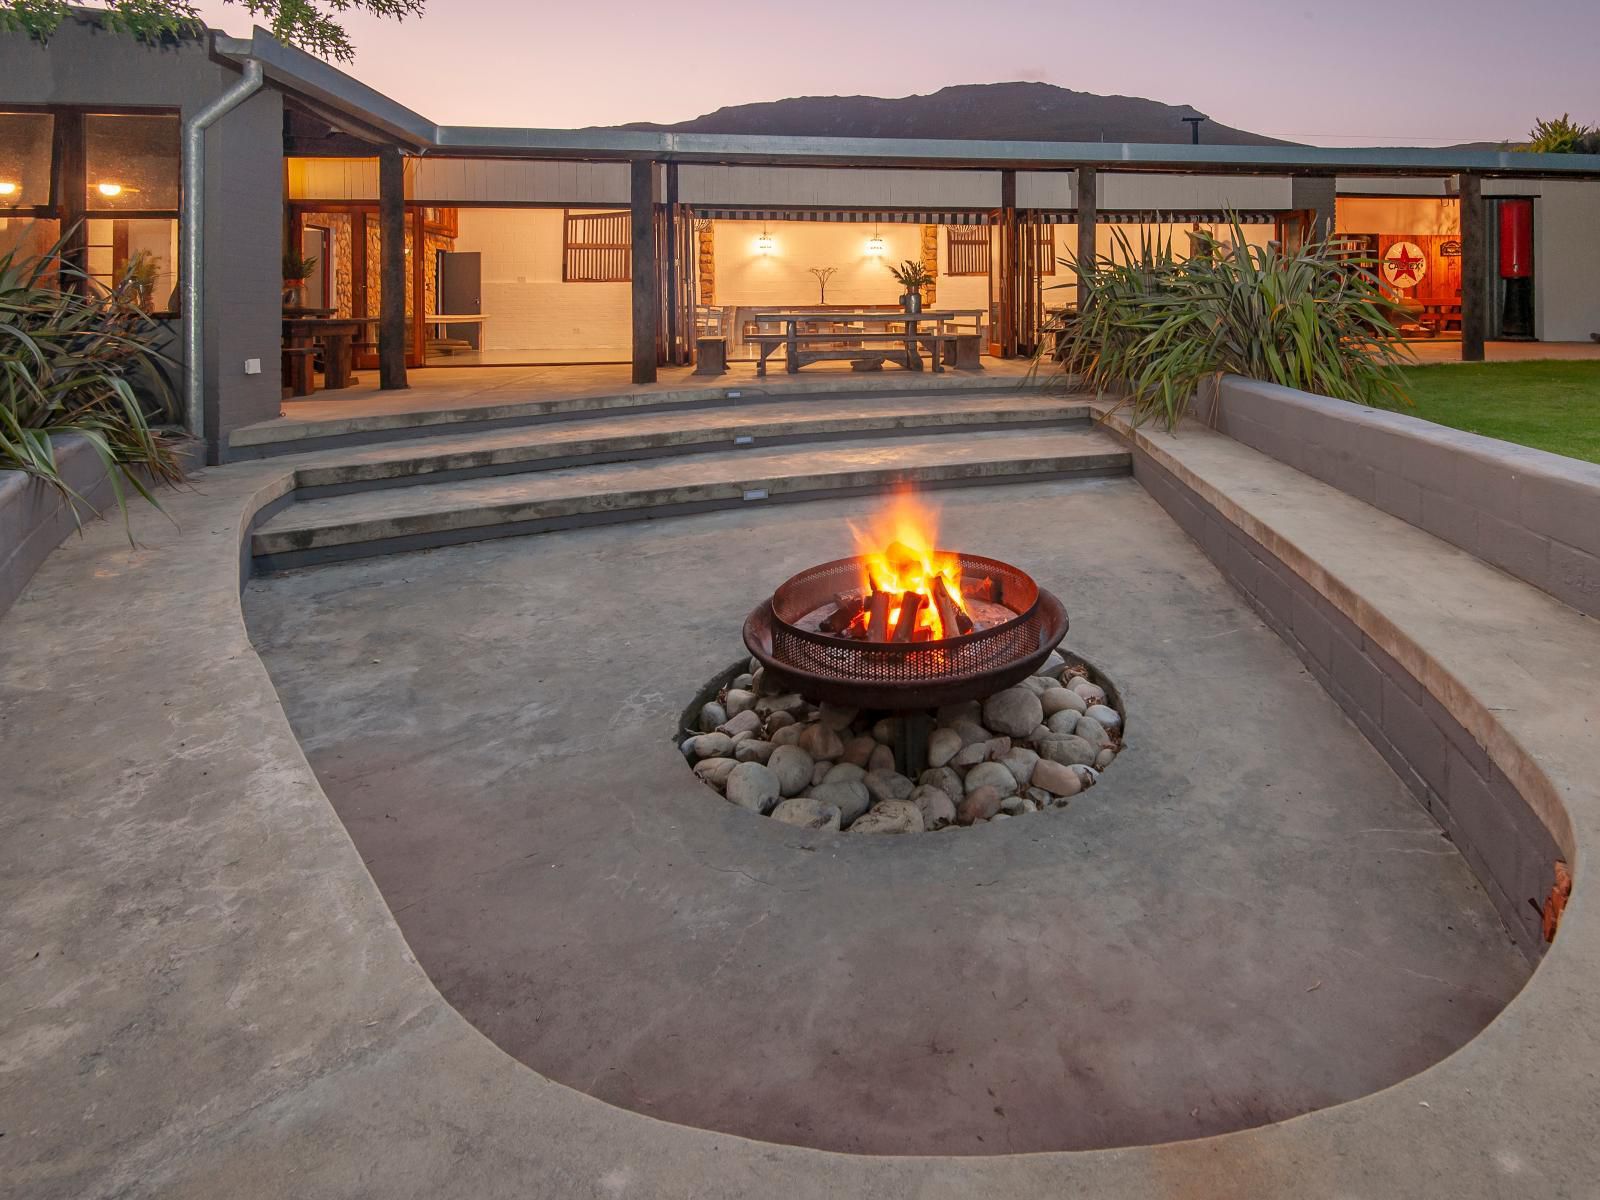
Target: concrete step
x,y
626,436
436,514
388,416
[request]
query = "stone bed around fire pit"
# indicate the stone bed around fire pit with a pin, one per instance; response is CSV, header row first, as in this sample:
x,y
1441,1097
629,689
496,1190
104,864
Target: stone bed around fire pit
x,y
1025,749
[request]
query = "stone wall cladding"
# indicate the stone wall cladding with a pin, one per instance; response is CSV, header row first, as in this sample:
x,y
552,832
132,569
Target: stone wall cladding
x,y
1502,839
1533,514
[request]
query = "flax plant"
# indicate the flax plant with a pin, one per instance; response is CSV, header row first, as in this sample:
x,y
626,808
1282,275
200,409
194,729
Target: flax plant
x,y
1153,326
78,358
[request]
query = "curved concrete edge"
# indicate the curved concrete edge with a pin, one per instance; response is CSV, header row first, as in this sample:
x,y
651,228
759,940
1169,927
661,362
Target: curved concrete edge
x,y
206,994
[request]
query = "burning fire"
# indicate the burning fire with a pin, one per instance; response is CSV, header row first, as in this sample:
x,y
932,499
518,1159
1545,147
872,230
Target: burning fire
x,y
902,567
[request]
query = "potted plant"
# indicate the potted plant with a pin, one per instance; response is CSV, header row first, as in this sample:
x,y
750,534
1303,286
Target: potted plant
x,y
139,278
296,271
913,277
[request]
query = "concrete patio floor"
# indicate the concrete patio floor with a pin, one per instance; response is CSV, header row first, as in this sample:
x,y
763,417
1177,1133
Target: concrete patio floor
x,y
493,723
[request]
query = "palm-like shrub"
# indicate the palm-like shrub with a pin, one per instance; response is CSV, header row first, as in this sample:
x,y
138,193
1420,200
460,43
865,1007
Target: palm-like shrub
x,y
1153,326
78,358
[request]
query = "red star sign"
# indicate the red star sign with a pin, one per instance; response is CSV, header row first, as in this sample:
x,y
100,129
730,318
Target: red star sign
x,y
1403,265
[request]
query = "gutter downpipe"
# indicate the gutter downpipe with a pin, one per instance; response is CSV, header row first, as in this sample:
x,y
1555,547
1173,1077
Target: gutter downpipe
x,y
191,290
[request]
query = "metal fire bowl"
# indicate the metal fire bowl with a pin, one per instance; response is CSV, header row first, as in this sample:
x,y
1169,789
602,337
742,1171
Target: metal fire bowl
x,y
901,676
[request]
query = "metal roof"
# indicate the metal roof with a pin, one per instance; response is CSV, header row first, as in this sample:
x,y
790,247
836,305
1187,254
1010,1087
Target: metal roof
x,y
296,71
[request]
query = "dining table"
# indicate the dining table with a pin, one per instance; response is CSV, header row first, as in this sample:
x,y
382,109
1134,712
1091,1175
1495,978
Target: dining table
x,y
336,335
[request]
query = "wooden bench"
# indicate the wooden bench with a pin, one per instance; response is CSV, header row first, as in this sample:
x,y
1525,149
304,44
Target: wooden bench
x,y
852,346
299,370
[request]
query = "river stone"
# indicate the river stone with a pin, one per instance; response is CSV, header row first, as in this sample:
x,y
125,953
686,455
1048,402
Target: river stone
x,y
943,745
715,771
842,771
1063,722
787,735
849,796
971,756
805,812
971,732
778,721
710,745
744,735
745,722
744,682
892,816
946,779
1090,692
1067,749
885,730
881,759
753,750
953,714
1039,796
1039,731
991,774
1015,711
1038,685
1014,805
1019,760
1093,732
858,750
1110,718
821,742
793,767
737,700
1104,758
1056,778
819,771
998,748
937,809
1088,775
980,805
836,718
790,702
1053,665
712,714
1061,699
887,785
758,680
753,786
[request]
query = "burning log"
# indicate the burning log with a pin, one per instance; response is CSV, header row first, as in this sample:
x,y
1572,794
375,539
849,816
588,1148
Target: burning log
x,y
878,617
945,605
845,610
986,589
857,628
910,608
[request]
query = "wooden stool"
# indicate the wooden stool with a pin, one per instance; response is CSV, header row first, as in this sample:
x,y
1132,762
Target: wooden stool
x,y
962,352
299,374
710,356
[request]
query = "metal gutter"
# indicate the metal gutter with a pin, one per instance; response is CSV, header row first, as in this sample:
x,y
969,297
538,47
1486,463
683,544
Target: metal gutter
x,y
192,228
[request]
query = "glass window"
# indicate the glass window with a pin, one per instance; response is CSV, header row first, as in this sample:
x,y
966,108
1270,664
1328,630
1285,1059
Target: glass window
x,y
131,162
28,238
25,159
145,250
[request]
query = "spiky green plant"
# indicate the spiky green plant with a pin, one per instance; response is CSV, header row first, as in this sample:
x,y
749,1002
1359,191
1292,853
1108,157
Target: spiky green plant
x,y
78,358
1153,326
911,275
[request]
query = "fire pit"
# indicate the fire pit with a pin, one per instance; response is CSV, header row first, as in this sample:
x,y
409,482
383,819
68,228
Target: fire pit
x,y
905,688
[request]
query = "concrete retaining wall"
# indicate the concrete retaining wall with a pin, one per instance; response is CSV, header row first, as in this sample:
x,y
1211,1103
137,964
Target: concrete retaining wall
x,y
35,519
1533,514
1505,842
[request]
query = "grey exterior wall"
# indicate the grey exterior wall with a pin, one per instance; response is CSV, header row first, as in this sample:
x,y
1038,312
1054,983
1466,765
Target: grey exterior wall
x,y
1501,837
243,236
1533,514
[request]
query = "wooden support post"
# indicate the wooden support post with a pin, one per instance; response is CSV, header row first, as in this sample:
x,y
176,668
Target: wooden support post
x,y
391,269
1010,265
1088,218
1474,269
646,271
674,307
418,333
71,186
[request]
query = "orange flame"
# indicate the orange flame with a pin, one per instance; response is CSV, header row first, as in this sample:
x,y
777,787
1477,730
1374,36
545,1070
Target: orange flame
x,y
898,547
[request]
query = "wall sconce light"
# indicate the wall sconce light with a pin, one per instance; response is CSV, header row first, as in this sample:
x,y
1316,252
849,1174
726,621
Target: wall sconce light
x,y
875,246
8,189
764,243
109,190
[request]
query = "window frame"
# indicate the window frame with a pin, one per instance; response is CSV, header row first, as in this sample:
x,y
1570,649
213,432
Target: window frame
x,y
973,238
603,272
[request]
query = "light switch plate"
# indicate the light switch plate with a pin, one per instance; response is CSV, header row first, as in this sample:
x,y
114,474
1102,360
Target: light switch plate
x,y
252,366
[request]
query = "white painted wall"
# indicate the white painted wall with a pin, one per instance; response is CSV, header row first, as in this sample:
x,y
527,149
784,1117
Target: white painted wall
x,y
746,276
838,187
447,181
527,307
1566,258
1396,214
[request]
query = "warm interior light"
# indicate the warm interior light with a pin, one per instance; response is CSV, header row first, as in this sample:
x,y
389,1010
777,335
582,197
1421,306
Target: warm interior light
x,y
875,245
7,188
109,189
764,243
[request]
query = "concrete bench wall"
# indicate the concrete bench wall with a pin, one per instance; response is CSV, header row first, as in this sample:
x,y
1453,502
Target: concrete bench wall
x,y
35,517
1533,514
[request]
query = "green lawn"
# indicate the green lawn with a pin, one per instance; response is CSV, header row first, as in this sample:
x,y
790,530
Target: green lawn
x,y
1551,405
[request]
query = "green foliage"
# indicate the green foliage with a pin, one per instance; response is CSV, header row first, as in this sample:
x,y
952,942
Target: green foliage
x,y
140,275
295,267
1563,136
1154,326
76,358
309,24
911,275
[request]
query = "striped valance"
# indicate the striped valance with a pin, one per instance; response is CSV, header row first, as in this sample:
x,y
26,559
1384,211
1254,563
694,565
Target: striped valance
x,y
846,216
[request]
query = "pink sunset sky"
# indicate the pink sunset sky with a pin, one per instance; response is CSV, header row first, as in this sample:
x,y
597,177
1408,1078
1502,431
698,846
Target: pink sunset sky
x,y
1360,72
